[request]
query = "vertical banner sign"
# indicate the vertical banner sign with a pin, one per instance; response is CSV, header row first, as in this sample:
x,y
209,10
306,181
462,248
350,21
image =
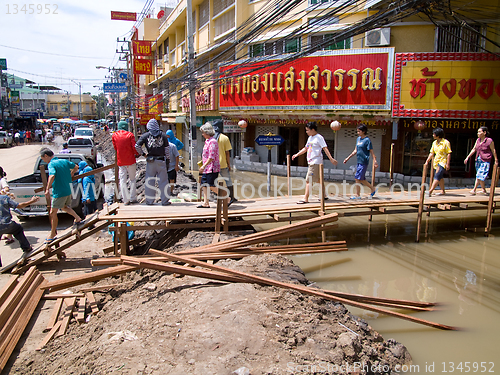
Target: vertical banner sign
x,y
123,16
3,64
141,47
143,66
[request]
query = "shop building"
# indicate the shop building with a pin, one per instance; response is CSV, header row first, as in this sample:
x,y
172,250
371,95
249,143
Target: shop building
x,y
458,92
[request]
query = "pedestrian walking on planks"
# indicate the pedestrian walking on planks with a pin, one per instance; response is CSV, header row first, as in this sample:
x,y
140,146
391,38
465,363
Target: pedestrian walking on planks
x,y
314,146
441,151
363,151
485,152
61,172
156,142
126,154
172,162
210,164
224,157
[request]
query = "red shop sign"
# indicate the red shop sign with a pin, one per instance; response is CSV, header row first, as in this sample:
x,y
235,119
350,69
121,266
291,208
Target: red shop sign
x,y
349,80
141,47
143,66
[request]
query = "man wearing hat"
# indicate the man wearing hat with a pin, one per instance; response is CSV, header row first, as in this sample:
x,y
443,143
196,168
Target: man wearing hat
x,y
224,157
155,142
124,145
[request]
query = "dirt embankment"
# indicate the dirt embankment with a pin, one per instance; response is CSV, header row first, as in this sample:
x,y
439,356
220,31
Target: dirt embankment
x,y
155,323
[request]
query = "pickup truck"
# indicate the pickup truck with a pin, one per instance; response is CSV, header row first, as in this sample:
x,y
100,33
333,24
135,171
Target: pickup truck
x,y
24,188
84,146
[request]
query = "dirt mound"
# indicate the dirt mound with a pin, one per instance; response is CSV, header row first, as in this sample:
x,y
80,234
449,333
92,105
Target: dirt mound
x,y
161,324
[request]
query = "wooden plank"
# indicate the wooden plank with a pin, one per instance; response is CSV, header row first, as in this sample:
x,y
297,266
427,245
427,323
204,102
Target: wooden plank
x,y
62,295
102,287
21,319
81,309
16,295
55,314
68,312
49,335
123,239
87,278
92,302
302,289
8,288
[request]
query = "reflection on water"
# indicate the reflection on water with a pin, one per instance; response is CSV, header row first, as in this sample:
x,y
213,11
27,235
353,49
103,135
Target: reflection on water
x,y
457,268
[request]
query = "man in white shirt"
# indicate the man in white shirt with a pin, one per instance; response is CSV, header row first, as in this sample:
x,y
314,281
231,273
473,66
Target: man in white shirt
x,y
315,144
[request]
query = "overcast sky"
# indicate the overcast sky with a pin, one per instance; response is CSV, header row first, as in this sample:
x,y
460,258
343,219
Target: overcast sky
x,y
55,48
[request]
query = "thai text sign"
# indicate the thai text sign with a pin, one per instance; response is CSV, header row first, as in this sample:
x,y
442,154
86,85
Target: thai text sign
x,y
448,85
347,79
114,87
141,47
143,66
123,16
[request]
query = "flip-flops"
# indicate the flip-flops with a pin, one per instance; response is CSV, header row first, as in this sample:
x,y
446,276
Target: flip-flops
x,y
355,197
49,240
9,241
302,202
202,206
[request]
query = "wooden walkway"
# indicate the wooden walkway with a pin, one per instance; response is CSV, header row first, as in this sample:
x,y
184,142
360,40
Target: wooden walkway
x,y
285,209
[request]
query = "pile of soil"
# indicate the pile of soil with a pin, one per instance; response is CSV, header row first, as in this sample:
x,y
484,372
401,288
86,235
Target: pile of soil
x,y
157,323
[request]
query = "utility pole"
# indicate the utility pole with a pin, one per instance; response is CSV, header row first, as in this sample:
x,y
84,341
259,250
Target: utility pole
x,y
192,82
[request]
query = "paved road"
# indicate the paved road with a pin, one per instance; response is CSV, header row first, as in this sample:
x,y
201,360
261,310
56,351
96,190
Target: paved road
x,y
18,161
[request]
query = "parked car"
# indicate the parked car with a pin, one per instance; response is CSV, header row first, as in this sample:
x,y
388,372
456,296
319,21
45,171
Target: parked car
x,y
24,188
84,146
5,139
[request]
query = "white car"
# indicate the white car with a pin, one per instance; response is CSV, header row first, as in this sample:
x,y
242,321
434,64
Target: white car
x,y
5,139
84,132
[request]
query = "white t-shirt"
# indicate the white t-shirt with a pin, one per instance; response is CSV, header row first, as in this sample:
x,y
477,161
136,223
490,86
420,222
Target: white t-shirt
x,y
314,145
3,183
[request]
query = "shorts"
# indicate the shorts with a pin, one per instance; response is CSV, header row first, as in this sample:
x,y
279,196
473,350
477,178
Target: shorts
x,y
361,171
439,172
172,176
209,178
61,202
313,173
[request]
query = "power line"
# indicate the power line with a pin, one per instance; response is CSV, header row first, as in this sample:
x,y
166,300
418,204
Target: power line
x,y
52,54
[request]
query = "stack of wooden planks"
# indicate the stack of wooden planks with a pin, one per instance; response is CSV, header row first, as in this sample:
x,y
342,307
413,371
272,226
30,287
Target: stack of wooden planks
x,y
18,300
67,306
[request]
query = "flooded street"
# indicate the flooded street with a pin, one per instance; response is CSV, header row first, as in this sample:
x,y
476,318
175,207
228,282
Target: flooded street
x,y
457,268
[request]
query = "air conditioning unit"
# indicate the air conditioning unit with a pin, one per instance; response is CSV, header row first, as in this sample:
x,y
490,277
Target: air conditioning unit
x,y
378,37
165,58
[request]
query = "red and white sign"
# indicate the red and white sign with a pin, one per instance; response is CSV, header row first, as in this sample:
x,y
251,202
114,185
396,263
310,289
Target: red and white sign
x,y
204,100
327,80
123,16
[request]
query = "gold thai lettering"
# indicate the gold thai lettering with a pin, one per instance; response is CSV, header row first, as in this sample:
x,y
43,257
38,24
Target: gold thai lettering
x,y
255,83
354,74
328,74
265,81
339,73
271,82
247,80
313,81
223,87
302,80
371,79
290,79
237,84
279,88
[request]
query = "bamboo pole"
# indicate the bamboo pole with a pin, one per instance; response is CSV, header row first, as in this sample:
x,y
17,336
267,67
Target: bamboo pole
x,y
391,166
289,173
421,202
302,289
491,205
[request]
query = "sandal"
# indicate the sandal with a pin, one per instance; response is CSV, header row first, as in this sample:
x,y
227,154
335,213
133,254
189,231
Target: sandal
x,y
8,241
472,192
302,202
202,206
49,240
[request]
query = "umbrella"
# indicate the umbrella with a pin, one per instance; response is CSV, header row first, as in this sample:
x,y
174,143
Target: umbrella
x,y
66,120
52,119
80,122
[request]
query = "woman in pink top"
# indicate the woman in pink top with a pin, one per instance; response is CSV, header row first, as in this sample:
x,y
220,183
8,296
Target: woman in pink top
x,y
485,151
210,167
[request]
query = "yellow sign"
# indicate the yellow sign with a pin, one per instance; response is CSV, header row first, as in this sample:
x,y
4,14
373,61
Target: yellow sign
x,y
450,85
